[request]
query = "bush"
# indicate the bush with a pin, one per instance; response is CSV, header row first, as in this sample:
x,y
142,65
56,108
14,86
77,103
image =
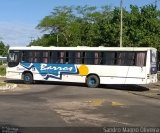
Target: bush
x,y
2,70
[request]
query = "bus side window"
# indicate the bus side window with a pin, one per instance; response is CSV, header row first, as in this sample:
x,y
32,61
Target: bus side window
x,y
108,58
140,59
35,60
54,57
30,56
120,58
78,58
66,59
62,57
125,58
45,57
71,57
33,56
37,57
97,58
45,60
57,57
130,59
24,56
89,57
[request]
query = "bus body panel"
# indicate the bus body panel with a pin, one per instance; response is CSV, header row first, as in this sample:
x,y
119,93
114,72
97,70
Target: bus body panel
x,y
108,74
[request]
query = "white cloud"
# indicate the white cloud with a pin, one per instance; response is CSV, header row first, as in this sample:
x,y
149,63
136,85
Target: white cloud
x,y
18,34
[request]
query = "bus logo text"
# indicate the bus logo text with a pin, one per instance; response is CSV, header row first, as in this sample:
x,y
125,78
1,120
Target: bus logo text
x,y
46,67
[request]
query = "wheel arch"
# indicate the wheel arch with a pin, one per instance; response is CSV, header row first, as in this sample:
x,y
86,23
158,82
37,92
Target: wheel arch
x,y
25,73
93,74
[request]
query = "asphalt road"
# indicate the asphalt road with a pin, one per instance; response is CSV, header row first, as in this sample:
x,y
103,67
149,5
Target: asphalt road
x,y
74,105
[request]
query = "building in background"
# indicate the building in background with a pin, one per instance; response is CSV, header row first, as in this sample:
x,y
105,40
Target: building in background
x,y
3,60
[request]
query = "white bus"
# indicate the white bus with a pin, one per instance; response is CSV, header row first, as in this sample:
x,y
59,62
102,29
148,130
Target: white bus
x,y
90,65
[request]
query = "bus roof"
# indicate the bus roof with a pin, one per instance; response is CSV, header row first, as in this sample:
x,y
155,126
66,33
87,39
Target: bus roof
x,y
84,48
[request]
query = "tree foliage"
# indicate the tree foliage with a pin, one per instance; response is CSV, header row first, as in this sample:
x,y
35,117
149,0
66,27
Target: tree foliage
x,y
3,49
89,26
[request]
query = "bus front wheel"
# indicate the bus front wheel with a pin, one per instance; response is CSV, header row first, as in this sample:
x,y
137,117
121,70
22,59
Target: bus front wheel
x,y
28,78
92,81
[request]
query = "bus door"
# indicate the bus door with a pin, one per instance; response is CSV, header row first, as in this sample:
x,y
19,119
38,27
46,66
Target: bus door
x,y
153,68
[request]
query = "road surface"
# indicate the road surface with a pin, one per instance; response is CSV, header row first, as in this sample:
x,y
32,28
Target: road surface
x,y
74,105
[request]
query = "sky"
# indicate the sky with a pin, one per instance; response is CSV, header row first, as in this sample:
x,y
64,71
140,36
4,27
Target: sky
x,y
19,18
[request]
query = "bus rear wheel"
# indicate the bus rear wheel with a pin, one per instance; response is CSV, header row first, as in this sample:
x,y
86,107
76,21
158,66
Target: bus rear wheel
x,y
92,81
28,78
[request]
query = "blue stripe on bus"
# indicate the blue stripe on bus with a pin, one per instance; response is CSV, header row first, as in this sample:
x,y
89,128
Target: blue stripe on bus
x,y
51,70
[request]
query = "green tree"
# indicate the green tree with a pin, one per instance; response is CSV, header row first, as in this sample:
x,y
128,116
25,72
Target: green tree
x,y
57,24
89,26
142,27
3,49
73,26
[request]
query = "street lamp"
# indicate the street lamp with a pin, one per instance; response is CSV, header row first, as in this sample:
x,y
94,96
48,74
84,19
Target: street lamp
x,y
121,25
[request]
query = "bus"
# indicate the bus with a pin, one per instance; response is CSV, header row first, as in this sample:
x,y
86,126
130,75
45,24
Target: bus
x,y
90,65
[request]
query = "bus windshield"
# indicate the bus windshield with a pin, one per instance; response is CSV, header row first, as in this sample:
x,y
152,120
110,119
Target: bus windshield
x,y
153,62
13,58
153,56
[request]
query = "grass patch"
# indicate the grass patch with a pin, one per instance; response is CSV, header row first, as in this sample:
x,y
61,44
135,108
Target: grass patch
x,y
2,70
2,83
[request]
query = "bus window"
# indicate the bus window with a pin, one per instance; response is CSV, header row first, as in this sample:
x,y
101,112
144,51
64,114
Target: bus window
x,y
120,58
108,58
130,59
34,56
89,57
13,58
140,59
78,58
57,57
31,56
71,57
54,57
45,53
45,56
62,57
97,58
125,58
24,56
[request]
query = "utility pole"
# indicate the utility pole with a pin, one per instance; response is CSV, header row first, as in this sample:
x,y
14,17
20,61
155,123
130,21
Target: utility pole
x,y
121,25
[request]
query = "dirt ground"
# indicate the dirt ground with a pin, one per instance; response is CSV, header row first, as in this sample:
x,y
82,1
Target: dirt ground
x,y
152,90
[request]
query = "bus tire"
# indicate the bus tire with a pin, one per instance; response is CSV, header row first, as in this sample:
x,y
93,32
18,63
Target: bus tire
x,y
92,81
28,78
